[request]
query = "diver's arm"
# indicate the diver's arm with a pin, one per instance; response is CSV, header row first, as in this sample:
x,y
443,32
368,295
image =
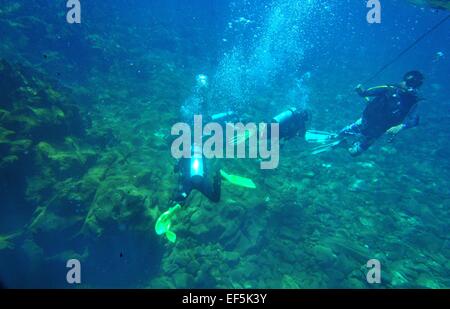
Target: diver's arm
x,y
412,120
372,92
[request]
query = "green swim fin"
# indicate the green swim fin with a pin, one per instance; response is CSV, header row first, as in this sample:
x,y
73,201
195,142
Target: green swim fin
x,y
238,180
171,236
164,223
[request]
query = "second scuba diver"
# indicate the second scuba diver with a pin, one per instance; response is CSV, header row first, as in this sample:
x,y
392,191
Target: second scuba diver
x,y
392,109
292,123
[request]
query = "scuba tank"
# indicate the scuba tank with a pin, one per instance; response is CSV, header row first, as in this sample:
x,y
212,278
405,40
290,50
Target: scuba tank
x,y
222,116
285,116
196,164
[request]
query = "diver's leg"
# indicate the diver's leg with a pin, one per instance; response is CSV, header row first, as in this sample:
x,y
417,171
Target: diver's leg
x,y
361,146
351,130
182,193
211,190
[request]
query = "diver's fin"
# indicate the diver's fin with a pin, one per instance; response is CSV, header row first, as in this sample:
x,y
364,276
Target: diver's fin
x,y
326,147
238,180
240,138
164,223
314,136
171,236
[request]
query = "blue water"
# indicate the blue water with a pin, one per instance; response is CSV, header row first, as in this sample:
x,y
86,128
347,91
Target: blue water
x,y
130,67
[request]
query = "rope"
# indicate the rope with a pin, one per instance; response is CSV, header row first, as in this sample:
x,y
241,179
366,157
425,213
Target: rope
x,y
417,41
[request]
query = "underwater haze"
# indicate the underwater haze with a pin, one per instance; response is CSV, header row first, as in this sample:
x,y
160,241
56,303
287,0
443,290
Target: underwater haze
x,y
86,170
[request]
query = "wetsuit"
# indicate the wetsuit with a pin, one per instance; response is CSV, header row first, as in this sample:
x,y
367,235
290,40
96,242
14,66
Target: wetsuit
x,y
292,123
391,106
192,176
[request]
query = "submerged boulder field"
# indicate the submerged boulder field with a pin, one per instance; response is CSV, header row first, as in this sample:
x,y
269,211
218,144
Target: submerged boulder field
x,y
85,182
62,188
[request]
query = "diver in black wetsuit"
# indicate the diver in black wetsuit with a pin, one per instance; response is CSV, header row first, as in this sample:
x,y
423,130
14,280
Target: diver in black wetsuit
x,y
193,175
192,170
392,109
292,124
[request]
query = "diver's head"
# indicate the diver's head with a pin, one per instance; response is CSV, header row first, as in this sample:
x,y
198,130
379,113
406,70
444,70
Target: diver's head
x,y
305,115
413,79
202,81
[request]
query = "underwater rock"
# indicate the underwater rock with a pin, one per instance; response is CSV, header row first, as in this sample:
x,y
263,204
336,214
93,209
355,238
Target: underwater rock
x,y
7,242
34,110
197,218
46,221
358,185
289,233
181,258
117,202
231,230
245,244
8,161
200,230
193,267
356,283
168,267
232,258
204,280
33,251
162,283
64,162
289,283
4,141
289,254
427,281
40,150
399,280
183,280
64,256
324,255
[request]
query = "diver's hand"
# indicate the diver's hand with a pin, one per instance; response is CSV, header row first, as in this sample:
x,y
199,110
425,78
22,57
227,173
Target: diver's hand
x,y
359,89
395,130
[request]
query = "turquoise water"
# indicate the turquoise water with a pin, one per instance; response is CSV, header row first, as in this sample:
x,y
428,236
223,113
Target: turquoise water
x,y
86,168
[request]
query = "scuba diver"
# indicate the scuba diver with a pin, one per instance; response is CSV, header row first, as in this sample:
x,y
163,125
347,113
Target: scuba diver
x,y
292,123
193,174
392,110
